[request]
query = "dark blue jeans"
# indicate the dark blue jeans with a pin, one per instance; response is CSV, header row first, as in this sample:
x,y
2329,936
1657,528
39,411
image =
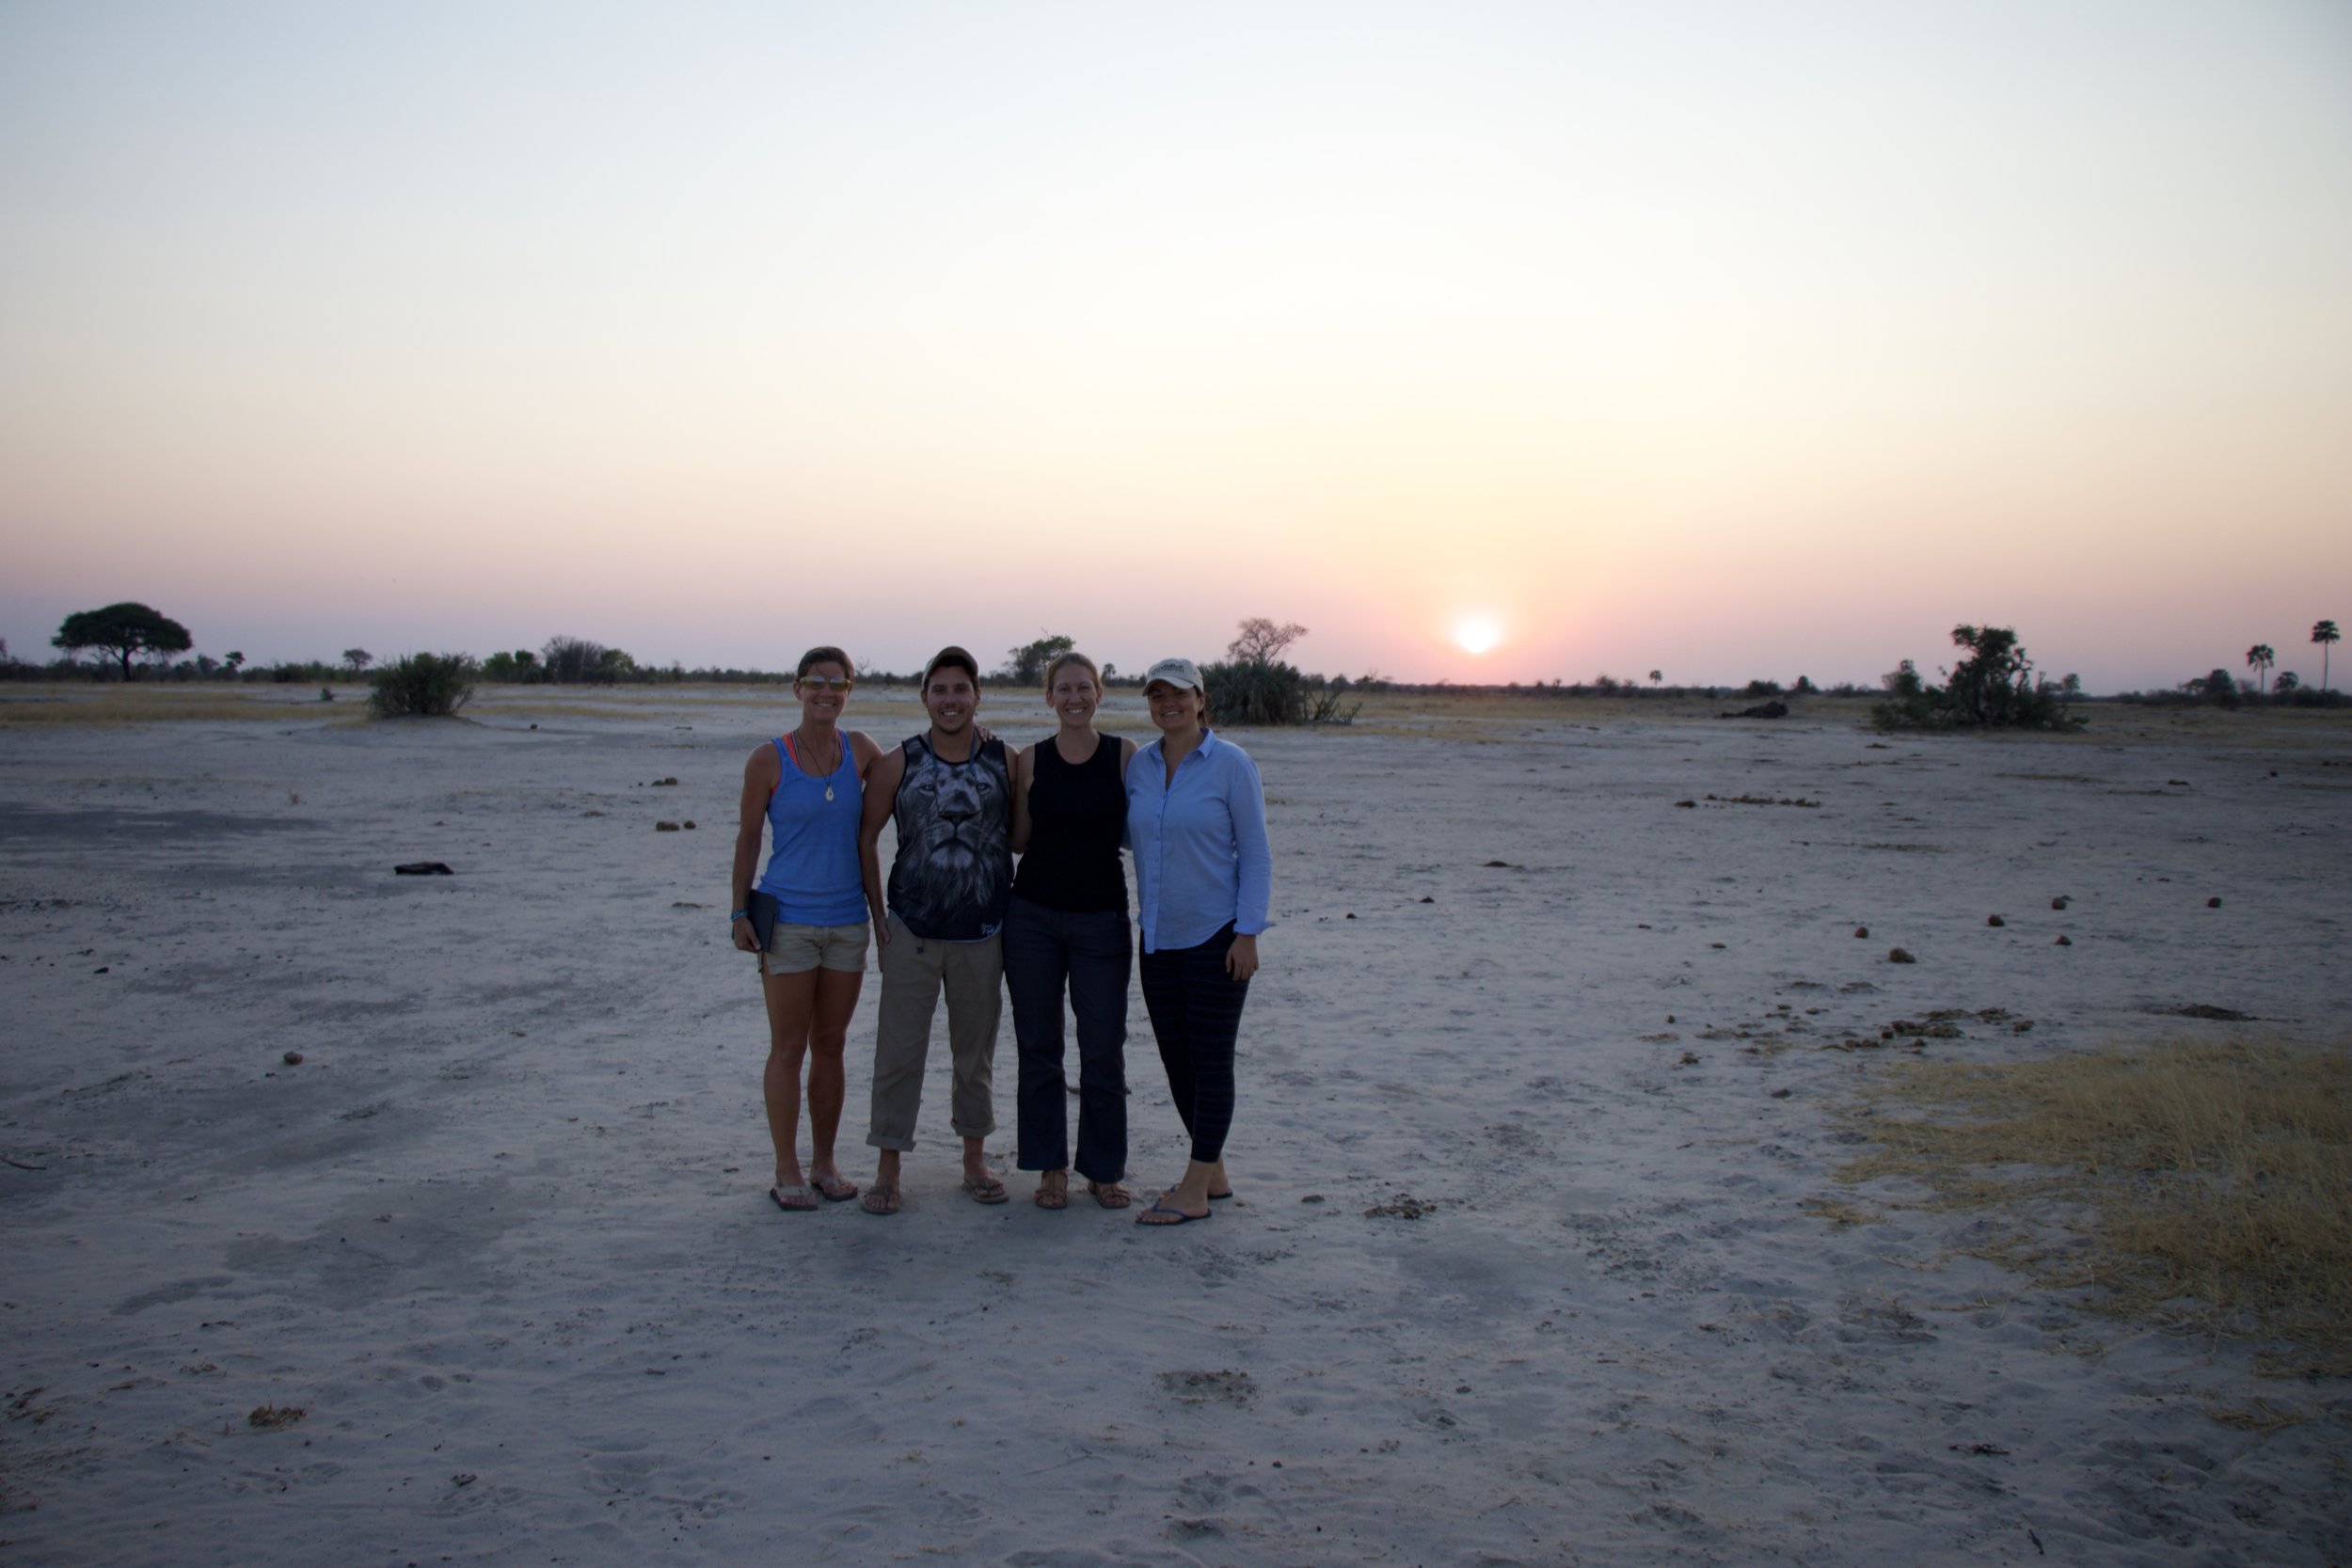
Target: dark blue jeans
x,y
1093,955
1195,1013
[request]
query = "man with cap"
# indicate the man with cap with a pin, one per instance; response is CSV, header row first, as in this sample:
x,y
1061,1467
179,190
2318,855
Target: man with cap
x,y
950,791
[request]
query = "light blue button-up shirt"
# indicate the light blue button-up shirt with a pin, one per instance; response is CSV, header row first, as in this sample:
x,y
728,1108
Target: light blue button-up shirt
x,y
1201,857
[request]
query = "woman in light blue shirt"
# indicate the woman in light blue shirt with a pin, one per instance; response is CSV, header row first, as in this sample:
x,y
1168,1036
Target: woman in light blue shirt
x,y
1195,821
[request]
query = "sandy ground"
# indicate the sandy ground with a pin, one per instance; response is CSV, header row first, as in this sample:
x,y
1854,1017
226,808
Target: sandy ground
x,y
504,1238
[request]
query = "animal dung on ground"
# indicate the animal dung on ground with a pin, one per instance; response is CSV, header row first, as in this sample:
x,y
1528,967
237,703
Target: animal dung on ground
x,y
2060,902
1862,931
666,827
1686,805
269,1417
663,783
1426,899
2063,941
423,868
2213,903
690,824
1899,955
292,1058
1994,920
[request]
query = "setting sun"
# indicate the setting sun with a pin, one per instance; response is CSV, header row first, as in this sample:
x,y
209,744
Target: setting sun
x,y
1477,634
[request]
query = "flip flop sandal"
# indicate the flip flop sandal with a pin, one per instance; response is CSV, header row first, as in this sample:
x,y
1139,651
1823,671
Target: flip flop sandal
x,y
833,1189
986,1190
1110,1195
879,1199
793,1200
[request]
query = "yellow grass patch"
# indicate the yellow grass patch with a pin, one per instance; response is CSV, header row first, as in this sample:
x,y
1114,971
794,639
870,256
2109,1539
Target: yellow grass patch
x,y
2212,1184
36,708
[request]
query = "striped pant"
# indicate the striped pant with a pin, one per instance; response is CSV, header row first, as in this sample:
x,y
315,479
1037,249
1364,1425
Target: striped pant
x,y
1195,1013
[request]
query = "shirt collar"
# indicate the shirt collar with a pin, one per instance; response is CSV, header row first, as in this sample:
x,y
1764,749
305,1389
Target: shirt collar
x,y
1208,741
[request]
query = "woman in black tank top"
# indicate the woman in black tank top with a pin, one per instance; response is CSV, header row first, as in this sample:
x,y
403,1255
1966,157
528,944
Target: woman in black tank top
x,y
1068,928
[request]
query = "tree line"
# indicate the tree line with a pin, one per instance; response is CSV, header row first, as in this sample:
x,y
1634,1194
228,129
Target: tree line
x,y
1993,685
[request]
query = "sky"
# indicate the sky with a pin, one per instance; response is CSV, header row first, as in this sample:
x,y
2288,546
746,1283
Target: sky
x,y
1722,339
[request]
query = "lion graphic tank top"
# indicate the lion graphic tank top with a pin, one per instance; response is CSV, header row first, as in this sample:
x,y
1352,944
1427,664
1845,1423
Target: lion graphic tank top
x,y
952,879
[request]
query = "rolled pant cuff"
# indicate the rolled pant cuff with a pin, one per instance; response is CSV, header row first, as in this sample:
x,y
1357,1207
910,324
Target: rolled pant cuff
x,y
884,1140
967,1131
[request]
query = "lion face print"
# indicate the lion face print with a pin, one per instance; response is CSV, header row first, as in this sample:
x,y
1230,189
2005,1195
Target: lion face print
x,y
953,875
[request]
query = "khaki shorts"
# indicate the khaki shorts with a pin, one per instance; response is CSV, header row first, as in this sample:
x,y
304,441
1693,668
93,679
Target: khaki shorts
x,y
798,949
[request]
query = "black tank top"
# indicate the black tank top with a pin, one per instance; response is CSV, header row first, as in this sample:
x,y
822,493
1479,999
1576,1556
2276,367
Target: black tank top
x,y
1077,813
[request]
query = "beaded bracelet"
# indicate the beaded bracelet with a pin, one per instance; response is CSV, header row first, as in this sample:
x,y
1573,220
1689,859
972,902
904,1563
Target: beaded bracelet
x,y
736,915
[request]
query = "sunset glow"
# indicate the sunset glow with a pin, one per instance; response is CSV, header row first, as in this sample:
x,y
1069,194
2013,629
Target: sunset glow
x,y
1477,634
1741,341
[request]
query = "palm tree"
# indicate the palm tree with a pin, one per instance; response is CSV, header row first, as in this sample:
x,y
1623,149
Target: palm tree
x,y
2260,658
2324,633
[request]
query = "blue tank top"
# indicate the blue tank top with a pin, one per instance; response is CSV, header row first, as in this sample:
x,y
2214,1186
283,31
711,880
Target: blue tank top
x,y
812,862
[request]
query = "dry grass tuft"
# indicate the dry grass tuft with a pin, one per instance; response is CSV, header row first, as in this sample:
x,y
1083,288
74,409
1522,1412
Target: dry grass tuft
x,y
2213,1182
41,708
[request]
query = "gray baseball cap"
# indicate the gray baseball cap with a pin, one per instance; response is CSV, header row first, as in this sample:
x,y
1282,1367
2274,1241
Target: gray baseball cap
x,y
1175,671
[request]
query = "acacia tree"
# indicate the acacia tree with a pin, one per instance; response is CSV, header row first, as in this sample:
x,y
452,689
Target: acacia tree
x,y
2260,658
1262,642
127,629
2324,634
356,659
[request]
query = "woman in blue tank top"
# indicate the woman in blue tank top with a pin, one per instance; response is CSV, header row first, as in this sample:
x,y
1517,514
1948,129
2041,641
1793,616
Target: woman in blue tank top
x,y
805,790
1068,926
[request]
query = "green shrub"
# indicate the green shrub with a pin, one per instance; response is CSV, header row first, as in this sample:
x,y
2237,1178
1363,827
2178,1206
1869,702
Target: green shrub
x,y
1255,691
423,685
1994,687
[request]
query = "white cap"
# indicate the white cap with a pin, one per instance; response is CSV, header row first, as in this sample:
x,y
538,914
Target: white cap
x,y
1175,671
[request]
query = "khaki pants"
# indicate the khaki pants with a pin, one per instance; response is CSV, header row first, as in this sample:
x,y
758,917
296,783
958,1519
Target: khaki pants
x,y
914,971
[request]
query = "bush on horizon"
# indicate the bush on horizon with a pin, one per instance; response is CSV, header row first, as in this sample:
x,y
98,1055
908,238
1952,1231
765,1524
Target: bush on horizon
x,y
422,686
1025,666
1994,687
577,660
1254,691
